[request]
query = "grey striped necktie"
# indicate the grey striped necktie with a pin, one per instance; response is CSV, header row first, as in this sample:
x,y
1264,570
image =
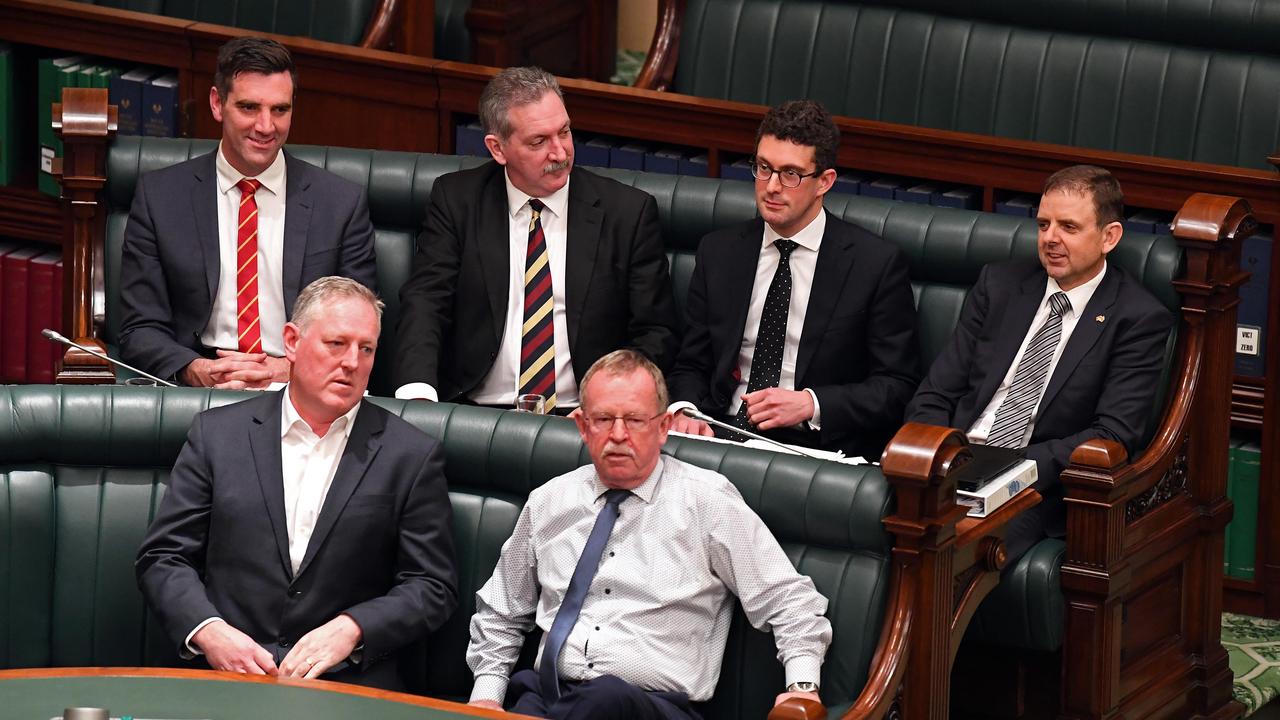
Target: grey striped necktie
x,y
1014,414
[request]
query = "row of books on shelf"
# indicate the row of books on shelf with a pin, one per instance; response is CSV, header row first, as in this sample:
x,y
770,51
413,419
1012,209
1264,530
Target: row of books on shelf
x,y
1252,312
146,98
30,300
1244,471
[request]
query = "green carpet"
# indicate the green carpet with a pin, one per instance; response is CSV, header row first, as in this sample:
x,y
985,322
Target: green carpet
x,y
1254,647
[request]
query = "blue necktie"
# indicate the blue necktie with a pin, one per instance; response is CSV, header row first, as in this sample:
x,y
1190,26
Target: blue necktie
x,y
571,607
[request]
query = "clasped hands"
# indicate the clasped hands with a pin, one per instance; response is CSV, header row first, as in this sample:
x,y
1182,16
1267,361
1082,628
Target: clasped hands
x,y
233,370
767,409
227,648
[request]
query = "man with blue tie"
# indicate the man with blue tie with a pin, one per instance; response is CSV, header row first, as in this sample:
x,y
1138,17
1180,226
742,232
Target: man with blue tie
x,y
1049,354
627,565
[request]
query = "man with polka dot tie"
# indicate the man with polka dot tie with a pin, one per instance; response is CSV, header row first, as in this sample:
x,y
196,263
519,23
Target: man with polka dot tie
x,y
799,325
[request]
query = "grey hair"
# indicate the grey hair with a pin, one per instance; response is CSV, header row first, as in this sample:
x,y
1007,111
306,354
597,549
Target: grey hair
x,y
315,297
622,362
510,88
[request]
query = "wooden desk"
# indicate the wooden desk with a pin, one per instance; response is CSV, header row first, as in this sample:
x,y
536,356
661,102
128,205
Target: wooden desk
x,y
42,693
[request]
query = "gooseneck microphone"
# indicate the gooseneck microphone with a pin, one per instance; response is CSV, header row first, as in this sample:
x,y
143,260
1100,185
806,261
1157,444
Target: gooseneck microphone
x,y
58,337
688,408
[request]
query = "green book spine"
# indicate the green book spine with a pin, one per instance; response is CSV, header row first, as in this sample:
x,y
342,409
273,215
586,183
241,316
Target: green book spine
x,y
1249,472
1231,495
7,168
64,75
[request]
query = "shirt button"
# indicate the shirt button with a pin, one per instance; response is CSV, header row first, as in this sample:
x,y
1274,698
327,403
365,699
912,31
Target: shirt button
x,y
591,665
597,627
607,591
610,553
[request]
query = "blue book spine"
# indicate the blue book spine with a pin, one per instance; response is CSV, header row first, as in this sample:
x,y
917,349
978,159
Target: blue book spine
x,y
962,198
469,140
663,160
125,92
1251,315
160,103
627,157
850,183
882,188
594,152
1020,205
739,170
920,194
1139,222
695,165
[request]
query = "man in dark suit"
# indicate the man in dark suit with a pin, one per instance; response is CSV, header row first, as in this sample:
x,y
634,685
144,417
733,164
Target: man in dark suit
x,y
218,247
528,270
799,325
1049,354
305,533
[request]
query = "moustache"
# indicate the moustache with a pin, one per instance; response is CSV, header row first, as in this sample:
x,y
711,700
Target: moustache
x,y
618,449
555,167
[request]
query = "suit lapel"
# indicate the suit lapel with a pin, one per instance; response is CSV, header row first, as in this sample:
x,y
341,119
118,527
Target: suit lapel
x,y
835,259
736,272
1086,333
204,208
362,446
297,221
494,242
264,443
1013,330
581,244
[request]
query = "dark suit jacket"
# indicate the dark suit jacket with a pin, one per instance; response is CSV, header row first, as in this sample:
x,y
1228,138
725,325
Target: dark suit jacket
x,y
170,263
1102,386
858,350
454,304
382,550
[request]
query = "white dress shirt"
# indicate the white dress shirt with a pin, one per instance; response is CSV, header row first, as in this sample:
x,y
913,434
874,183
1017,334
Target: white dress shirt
x,y
804,261
308,463
502,384
221,332
657,613
1079,298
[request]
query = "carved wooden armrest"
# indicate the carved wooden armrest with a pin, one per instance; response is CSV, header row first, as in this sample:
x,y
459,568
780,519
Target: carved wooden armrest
x,y
659,67
378,32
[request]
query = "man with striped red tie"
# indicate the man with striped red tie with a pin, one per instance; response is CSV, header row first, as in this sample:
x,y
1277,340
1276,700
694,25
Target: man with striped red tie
x,y
217,248
527,269
1049,354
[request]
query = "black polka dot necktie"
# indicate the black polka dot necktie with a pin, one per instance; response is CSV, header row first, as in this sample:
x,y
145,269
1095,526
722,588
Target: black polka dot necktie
x,y
766,362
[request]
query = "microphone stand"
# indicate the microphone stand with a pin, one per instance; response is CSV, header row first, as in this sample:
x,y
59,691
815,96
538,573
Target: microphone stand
x,y
58,337
690,410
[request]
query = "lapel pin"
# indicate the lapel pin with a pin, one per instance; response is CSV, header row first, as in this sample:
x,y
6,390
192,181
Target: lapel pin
x,y
1101,318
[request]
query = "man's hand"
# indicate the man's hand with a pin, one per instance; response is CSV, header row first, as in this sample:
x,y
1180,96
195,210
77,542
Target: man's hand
x,y
772,408
682,423
236,371
803,695
322,648
226,648
490,704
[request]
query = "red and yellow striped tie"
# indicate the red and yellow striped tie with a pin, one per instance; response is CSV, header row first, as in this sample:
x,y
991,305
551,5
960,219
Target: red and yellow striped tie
x,y
537,347
248,332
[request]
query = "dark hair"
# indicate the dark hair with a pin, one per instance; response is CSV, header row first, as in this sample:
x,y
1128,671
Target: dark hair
x,y
510,88
251,54
1096,182
804,122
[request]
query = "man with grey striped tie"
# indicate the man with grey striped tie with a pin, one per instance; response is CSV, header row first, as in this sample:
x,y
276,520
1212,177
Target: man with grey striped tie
x,y
1049,354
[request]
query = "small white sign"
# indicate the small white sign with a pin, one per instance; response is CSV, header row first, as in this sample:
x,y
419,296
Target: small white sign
x,y
1247,339
46,158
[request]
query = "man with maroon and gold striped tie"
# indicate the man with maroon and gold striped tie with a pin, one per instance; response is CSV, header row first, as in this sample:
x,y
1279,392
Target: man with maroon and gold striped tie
x,y
218,248
528,270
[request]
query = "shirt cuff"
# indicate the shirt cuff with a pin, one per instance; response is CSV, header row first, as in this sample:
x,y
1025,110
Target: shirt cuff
x,y
192,648
815,422
417,391
804,668
489,687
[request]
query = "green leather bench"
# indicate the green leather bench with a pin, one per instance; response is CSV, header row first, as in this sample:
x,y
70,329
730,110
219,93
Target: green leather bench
x,y
350,22
945,248
1182,79
82,470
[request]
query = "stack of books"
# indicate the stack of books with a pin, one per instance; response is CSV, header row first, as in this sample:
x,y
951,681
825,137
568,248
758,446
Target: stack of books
x,y
30,300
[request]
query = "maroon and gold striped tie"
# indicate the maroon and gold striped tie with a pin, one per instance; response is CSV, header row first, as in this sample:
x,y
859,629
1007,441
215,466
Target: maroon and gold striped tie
x,y
537,347
248,332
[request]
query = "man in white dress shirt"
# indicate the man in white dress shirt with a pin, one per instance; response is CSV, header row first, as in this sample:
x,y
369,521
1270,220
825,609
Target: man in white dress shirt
x,y
627,565
305,533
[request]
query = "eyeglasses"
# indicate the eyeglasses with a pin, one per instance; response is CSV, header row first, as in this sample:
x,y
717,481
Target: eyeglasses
x,y
789,178
604,423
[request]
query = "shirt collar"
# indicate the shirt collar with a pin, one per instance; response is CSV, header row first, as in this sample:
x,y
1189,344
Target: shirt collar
x,y
556,202
809,238
273,178
289,418
644,490
1079,295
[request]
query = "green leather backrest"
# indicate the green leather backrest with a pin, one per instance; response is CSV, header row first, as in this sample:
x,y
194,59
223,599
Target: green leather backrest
x,y
82,469
946,248
340,21
453,39
918,68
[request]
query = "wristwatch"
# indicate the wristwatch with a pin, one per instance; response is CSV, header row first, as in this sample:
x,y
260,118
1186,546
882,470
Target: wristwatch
x,y
802,686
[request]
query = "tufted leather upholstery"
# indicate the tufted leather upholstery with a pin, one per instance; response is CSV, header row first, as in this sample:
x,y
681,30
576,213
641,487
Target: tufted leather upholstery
x,y
340,22
945,248
453,38
918,67
83,468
